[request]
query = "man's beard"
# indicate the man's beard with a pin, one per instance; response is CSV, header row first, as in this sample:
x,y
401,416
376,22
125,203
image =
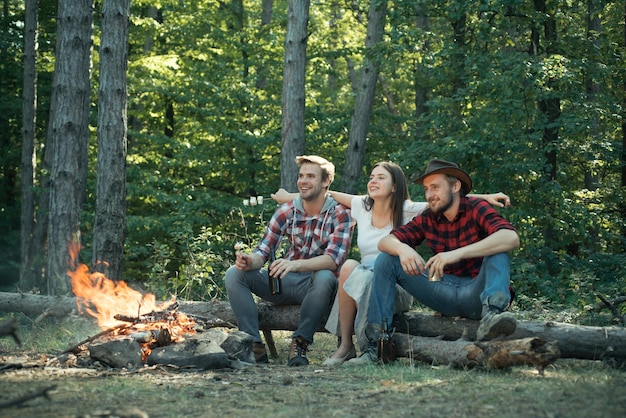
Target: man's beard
x,y
312,194
445,206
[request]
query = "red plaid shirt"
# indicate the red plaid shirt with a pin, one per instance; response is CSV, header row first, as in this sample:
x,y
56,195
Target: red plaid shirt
x,y
309,236
475,220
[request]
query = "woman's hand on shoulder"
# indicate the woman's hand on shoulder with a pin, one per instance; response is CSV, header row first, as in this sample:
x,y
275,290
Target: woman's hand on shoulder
x,y
498,199
283,196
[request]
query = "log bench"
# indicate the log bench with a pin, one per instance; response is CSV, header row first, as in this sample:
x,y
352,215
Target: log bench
x,y
574,341
269,322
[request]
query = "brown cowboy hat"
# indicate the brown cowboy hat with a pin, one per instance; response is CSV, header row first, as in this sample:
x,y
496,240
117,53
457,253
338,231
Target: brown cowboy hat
x,y
446,167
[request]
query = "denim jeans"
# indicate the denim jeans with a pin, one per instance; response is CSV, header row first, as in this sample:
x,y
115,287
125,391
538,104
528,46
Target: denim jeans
x,y
451,296
313,291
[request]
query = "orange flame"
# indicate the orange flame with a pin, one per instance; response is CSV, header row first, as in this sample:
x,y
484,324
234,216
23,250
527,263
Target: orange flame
x,y
104,299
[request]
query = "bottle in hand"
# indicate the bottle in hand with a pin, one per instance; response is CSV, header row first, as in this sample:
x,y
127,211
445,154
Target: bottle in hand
x,y
384,346
276,285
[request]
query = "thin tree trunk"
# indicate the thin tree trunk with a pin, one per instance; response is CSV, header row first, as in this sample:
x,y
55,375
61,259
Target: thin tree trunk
x,y
459,54
110,218
623,157
68,136
293,100
421,90
359,126
266,20
592,87
550,107
28,276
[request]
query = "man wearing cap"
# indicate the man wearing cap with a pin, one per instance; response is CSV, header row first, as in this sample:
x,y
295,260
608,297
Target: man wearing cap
x,y
317,229
468,274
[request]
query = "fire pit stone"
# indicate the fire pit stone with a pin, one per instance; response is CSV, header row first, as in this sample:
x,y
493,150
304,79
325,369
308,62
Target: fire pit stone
x,y
119,352
200,351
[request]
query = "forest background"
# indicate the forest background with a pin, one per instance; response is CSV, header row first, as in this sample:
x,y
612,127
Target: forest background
x,y
527,96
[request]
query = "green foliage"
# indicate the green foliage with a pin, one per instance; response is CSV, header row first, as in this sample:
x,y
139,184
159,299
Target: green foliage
x,y
191,264
204,113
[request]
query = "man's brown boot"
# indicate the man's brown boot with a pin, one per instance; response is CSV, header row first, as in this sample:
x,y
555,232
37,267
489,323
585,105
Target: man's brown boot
x,y
495,322
297,352
260,355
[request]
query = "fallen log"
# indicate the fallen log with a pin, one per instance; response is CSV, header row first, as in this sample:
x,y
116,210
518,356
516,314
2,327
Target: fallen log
x,y
574,341
466,354
36,305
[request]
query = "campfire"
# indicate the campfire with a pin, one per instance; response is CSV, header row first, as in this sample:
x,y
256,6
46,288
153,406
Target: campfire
x,y
138,331
123,311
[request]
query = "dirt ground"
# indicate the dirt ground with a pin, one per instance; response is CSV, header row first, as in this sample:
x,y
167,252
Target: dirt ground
x,y
570,388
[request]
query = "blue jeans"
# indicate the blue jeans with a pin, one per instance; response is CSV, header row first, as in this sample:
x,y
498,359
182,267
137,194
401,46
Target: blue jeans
x,y
313,291
452,295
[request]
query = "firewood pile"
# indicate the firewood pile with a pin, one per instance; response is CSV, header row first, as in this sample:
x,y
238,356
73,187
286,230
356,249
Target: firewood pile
x,y
167,337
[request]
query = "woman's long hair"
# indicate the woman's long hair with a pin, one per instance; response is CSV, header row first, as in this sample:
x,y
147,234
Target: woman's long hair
x,y
398,197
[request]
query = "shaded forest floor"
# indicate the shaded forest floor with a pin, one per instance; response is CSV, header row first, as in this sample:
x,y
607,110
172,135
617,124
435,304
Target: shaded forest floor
x,y
570,388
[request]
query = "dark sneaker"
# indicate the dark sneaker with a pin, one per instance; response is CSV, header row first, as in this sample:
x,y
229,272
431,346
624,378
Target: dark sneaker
x,y
260,355
494,324
368,356
297,352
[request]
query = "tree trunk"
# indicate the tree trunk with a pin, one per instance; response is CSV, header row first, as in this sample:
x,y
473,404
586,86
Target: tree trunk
x,y
355,153
266,20
622,205
573,341
459,50
550,107
68,135
592,88
292,130
29,279
110,219
422,23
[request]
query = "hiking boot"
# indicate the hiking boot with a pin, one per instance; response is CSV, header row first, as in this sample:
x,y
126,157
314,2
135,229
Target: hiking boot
x,y
260,355
495,323
297,352
368,356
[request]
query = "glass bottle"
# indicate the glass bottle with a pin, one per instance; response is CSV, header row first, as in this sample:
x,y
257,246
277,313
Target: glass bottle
x,y
384,347
276,285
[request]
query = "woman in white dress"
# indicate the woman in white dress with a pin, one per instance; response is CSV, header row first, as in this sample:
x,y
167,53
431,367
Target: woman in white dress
x,y
387,205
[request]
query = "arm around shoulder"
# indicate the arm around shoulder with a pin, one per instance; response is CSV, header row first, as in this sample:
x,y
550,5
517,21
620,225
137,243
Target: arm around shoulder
x,y
343,198
389,244
283,196
499,199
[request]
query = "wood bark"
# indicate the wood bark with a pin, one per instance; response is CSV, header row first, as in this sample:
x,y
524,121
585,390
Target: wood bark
x,y
573,341
110,219
467,354
68,135
266,20
293,99
422,23
28,276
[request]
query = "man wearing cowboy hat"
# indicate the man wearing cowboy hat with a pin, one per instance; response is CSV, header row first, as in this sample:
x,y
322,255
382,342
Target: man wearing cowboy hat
x,y
468,274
